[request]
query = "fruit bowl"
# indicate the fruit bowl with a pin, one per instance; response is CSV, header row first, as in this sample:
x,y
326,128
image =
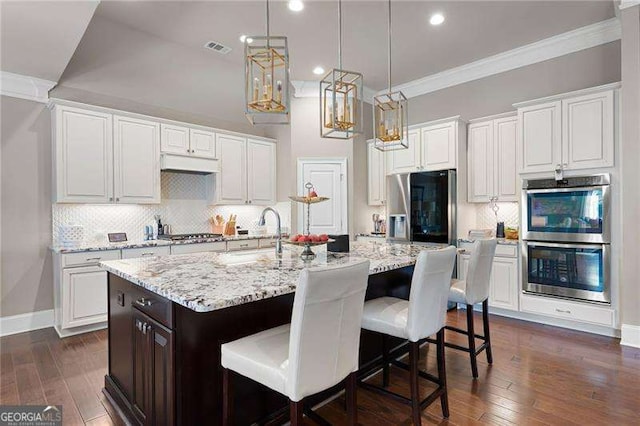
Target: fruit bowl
x,y
308,243
307,199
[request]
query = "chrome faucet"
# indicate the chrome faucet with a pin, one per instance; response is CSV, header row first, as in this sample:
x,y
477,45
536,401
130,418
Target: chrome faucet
x,y
262,222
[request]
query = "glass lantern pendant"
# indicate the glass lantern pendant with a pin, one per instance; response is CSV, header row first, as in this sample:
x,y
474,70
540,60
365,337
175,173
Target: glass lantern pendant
x,y
390,113
341,98
267,78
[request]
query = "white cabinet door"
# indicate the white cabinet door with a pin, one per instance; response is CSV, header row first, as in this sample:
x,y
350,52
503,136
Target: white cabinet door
x,y
506,166
84,156
375,176
136,145
175,139
406,160
439,147
261,172
540,147
481,162
231,182
588,131
329,217
202,143
84,294
503,291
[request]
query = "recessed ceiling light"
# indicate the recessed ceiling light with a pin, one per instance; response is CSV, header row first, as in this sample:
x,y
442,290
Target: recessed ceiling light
x,y
244,38
436,19
296,5
318,70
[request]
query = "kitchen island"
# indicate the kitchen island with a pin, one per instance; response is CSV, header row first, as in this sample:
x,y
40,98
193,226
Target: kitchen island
x,y
168,316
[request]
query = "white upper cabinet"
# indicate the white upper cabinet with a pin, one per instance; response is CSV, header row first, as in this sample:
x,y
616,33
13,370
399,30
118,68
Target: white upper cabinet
x,y
481,161
439,147
202,143
376,195
588,131
83,164
406,160
247,171
492,160
136,156
540,127
231,183
175,139
261,172
573,132
505,131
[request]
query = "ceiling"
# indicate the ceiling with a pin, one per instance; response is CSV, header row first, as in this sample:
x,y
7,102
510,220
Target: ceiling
x,y
152,51
38,38
472,30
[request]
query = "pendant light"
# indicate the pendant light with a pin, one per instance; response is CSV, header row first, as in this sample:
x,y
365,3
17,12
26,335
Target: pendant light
x,y
341,98
267,78
390,113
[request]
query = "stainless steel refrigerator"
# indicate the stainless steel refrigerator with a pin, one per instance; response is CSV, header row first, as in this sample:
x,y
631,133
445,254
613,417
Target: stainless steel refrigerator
x,y
421,207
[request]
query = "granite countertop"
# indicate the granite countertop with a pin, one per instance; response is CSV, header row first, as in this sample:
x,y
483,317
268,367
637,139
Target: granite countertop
x,y
209,281
503,241
97,246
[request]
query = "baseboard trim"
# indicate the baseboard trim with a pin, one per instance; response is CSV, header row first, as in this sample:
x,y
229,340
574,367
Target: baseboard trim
x,y
630,335
26,322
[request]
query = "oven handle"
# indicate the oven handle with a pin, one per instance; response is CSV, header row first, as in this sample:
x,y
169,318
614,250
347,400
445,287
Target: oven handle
x,y
564,245
566,189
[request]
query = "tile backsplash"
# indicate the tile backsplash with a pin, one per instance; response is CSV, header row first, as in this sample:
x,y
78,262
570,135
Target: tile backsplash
x,y
509,213
184,207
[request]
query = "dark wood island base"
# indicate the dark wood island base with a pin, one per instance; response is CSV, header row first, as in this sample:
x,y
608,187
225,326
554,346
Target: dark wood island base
x,y
164,358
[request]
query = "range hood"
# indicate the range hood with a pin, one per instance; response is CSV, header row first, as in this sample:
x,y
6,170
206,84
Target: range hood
x,y
182,163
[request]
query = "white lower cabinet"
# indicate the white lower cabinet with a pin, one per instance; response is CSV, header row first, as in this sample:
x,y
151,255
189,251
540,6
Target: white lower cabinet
x,y
504,286
80,291
145,252
199,248
85,293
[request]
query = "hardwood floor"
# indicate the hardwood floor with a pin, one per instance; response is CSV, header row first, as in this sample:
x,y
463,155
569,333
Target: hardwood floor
x,y
540,375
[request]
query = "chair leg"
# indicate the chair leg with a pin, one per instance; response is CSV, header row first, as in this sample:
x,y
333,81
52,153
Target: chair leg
x,y
485,326
227,397
472,342
296,410
414,357
352,399
442,373
385,360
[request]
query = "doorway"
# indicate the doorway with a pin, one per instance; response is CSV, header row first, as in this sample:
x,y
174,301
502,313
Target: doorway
x,y
329,178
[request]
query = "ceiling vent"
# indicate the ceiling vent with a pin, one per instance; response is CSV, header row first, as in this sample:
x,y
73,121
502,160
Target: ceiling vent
x,y
217,47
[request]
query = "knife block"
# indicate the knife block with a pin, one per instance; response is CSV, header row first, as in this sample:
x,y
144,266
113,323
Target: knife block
x,y
217,229
230,228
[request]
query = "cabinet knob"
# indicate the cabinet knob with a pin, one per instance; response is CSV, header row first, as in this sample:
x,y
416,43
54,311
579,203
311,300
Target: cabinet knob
x,y
110,198
117,200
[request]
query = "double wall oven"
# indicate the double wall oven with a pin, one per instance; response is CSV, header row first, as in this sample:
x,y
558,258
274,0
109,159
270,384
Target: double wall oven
x,y
566,233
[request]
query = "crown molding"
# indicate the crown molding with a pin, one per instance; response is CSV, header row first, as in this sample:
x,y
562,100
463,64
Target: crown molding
x,y
576,93
624,4
559,45
311,89
25,87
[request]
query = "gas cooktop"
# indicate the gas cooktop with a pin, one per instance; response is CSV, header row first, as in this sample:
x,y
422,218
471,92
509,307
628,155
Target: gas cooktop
x,y
197,236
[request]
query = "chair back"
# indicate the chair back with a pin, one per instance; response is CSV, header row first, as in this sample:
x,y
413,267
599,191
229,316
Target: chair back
x,y
479,271
324,342
429,293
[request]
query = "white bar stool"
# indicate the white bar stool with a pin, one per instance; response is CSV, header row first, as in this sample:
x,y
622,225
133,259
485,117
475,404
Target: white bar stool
x,y
318,350
475,289
416,319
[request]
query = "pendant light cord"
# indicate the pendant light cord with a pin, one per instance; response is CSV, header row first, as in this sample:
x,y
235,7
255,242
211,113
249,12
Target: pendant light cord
x,y
389,50
339,34
268,19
